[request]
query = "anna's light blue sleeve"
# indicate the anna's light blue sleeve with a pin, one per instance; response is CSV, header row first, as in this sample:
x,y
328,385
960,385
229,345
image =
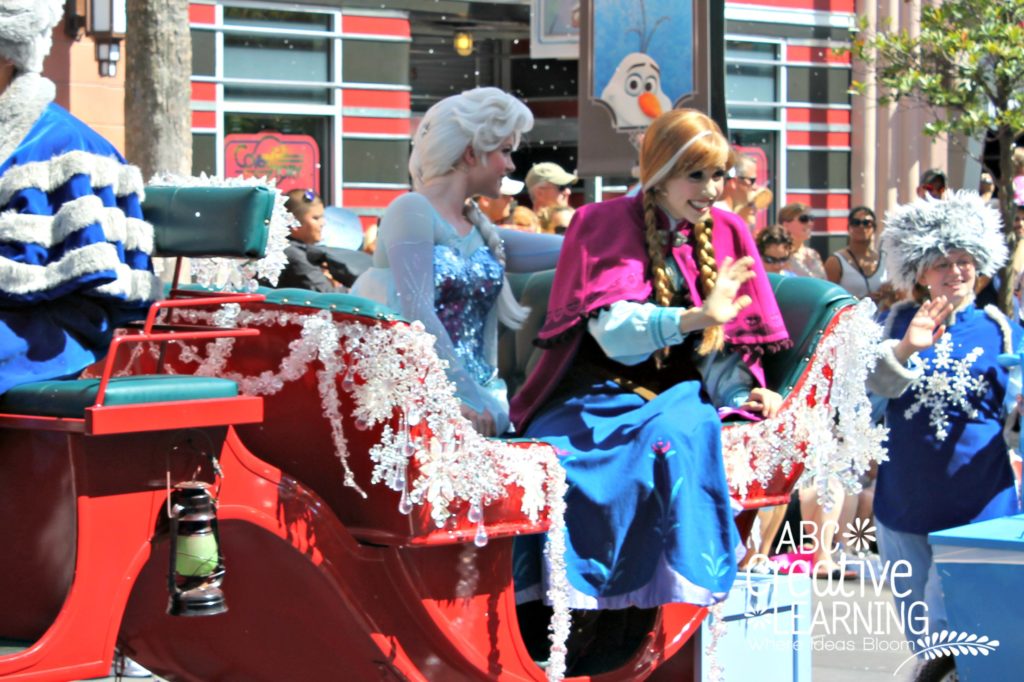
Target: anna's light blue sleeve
x,y
629,332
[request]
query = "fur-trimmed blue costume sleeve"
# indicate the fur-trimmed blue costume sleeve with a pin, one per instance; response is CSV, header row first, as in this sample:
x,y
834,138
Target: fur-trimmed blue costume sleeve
x,y
74,250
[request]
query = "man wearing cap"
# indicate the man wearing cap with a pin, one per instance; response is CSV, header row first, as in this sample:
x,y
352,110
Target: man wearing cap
x,y
933,184
549,185
74,250
499,210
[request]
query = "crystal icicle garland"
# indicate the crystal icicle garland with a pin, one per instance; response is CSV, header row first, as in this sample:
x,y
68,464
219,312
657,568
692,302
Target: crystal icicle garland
x,y
834,438
401,374
237,274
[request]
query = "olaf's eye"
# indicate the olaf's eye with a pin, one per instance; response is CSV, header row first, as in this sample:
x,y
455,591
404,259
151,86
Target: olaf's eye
x,y
634,84
650,84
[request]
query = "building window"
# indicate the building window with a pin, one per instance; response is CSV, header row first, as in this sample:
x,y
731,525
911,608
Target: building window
x,y
752,80
818,169
204,153
368,61
204,53
375,161
818,85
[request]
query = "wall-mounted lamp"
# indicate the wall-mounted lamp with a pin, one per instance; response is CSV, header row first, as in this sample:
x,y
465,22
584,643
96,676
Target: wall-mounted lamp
x,y
463,43
106,21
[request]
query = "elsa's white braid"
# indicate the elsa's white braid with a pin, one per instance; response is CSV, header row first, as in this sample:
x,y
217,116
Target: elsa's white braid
x,y
510,313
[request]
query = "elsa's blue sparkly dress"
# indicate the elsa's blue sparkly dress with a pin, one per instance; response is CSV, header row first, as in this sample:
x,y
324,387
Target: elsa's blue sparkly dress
x,y
427,271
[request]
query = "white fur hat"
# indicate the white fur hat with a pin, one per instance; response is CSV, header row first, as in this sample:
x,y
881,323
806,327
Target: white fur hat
x,y
918,233
25,31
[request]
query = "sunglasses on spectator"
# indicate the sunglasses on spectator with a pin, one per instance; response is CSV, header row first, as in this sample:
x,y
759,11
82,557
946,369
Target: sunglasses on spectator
x,y
805,218
858,222
774,260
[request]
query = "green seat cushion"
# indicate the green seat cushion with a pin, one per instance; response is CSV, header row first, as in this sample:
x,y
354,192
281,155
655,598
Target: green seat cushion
x,y
209,221
69,398
807,306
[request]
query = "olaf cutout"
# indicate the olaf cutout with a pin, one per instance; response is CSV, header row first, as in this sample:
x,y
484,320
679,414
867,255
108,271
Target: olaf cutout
x,y
634,92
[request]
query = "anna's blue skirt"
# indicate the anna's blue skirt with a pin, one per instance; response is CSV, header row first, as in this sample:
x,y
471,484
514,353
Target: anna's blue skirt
x,y
648,517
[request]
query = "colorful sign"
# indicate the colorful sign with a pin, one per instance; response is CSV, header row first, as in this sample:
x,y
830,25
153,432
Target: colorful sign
x,y
292,160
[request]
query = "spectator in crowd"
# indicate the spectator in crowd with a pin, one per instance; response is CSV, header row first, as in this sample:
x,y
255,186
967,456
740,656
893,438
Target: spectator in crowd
x,y
549,185
933,184
775,246
499,210
986,187
307,262
804,261
740,190
859,267
525,220
1018,176
556,219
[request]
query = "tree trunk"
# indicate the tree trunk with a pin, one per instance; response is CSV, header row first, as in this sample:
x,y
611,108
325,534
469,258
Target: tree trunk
x,y
1009,212
158,125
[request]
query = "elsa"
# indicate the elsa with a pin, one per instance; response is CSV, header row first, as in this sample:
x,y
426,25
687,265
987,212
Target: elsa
x,y
440,261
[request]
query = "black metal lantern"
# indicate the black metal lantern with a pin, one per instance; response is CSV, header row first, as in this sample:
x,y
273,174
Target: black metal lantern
x,y
196,565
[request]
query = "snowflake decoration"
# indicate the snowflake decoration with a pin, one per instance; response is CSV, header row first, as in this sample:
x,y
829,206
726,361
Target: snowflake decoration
x,y
946,383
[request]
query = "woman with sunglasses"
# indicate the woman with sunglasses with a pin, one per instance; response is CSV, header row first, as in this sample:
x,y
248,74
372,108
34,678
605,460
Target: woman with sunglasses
x,y
859,267
775,246
804,260
440,261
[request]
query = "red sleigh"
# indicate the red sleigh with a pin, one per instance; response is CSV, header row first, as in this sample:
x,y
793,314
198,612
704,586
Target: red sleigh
x,y
320,583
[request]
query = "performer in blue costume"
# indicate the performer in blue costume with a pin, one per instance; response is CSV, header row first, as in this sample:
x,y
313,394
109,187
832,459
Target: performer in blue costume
x,y
440,261
659,312
74,250
948,463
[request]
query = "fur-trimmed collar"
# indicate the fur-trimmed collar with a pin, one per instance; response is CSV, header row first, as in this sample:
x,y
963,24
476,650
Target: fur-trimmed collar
x,y
21,105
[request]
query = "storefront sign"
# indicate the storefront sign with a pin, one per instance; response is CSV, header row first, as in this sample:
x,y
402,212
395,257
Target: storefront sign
x,y
292,160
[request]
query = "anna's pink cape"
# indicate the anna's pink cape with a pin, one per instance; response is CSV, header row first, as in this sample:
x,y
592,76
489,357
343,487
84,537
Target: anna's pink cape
x,y
604,260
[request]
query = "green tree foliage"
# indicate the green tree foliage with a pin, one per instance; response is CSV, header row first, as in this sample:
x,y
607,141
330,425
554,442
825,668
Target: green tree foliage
x,y
967,64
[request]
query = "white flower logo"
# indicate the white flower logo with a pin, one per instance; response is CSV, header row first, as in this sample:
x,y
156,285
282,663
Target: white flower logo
x,y
859,534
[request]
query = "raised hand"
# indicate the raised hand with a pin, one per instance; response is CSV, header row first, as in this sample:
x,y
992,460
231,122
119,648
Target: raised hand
x,y
925,329
722,304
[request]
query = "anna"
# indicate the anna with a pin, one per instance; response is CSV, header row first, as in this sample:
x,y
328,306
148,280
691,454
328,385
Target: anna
x,y
659,313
